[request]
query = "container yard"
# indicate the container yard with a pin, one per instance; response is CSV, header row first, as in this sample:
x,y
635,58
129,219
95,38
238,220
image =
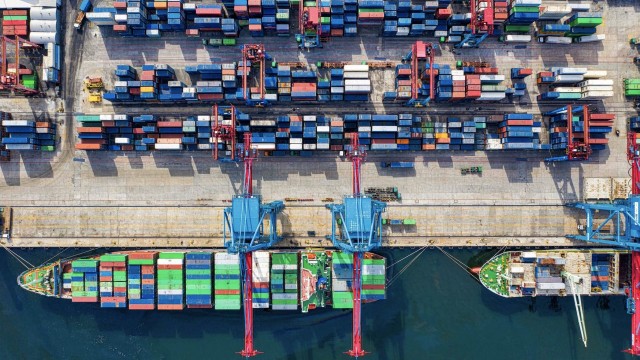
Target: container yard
x,y
249,156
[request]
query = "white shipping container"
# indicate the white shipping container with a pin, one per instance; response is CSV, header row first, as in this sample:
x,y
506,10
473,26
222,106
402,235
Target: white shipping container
x,y
122,141
591,38
204,118
106,117
43,13
205,147
120,117
295,146
569,78
339,285
99,16
295,140
454,38
120,83
568,70
170,292
580,7
364,128
550,286
438,33
597,82
384,129
403,31
260,305
309,118
227,258
168,146
597,94
170,261
373,270
491,96
493,78
457,72
323,129
263,146
17,123
357,89
42,38
358,82
271,97
558,40
323,146
356,75
120,18
309,146
517,38
458,78
567,89
527,2
262,123
597,88
356,67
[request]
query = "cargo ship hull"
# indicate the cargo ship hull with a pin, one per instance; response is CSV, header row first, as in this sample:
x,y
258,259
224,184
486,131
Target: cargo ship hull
x,y
179,279
544,272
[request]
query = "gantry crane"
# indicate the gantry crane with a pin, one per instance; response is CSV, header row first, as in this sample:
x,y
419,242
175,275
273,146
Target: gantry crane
x,y
624,220
243,233
420,51
11,81
578,143
254,53
309,25
481,25
360,220
223,128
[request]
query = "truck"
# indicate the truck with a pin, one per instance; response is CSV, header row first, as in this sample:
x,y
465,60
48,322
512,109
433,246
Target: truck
x,y
515,38
397,164
555,40
84,7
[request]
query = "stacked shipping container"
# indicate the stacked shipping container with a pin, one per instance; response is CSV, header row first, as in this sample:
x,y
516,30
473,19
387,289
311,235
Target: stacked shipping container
x,y
170,281
574,84
373,279
261,279
227,281
341,280
284,281
84,281
141,281
113,281
198,280
27,134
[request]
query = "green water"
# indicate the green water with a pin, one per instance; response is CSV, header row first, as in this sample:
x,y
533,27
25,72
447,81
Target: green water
x,y
433,311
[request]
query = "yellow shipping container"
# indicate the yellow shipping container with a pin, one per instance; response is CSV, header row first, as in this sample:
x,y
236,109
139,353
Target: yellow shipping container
x,y
442,135
147,89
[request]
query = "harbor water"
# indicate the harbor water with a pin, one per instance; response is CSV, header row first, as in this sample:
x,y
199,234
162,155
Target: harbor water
x,y
434,310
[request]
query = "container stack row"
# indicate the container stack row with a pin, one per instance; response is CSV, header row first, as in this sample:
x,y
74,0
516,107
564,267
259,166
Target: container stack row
x,y
568,84
599,126
373,279
577,28
519,132
170,281
631,87
227,282
284,281
27,134
600,267
341,280
84,281
198,280
261,279
142,282
113,281
523,12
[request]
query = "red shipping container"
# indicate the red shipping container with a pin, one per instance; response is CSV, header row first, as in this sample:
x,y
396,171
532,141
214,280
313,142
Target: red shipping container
x,y
169,124
600,123
337,32
372,287
520,122
192,32
171,136
525,71
474,88
170,267
142,255
120,4
443,13
106,278
14,12
227,292
210,96
126,147
602,116
119,27
147,281
120,289
174,4
443,140
93,141
170,307
598,141
210,12
141,307
106,123
134,91
84,299
474,94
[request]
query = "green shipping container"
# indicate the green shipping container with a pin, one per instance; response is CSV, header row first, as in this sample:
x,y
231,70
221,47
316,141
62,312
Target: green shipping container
x,y
632,81
342,300
632,93
342,258
113,257
171,255
141,262
524,9
229,41
517,28
586,22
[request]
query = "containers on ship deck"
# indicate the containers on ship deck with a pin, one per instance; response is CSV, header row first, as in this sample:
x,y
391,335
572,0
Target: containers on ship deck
x,y
373,279
342,280
84,281
198,279
227,281
284,281
142,280
113,281
260,279
170,281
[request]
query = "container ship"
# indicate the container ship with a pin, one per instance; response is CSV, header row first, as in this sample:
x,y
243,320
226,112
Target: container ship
x,y
547,272
175,280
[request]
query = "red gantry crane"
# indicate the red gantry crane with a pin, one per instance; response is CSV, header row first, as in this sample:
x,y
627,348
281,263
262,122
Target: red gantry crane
x,y
225,130
309,25
360,220
254,53
633,300
420,51
11,81
481,25
578,142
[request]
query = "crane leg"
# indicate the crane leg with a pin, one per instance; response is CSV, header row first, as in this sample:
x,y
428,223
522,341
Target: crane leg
x,y
248,350
356,348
